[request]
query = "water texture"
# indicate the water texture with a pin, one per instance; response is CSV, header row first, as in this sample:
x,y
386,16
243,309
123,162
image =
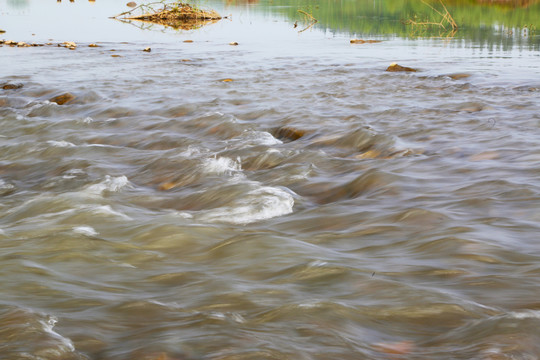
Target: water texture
x,y
286,198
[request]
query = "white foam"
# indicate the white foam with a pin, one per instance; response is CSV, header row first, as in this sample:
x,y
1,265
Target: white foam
x,y
527,314
62,143
126,265
5,186
183,214
221,165
108,210
262,138
103,146
190,152
259,204
317,263
109,184
310,305
73,173
85,230
227,316
48,328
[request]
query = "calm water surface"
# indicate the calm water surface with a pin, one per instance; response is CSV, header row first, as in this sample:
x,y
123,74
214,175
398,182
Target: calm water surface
x,y
285,198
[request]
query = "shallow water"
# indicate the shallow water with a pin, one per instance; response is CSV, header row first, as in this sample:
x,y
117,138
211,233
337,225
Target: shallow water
x,y
313,207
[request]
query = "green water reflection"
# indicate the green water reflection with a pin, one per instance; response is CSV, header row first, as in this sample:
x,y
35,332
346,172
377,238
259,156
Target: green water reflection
x,y
502,25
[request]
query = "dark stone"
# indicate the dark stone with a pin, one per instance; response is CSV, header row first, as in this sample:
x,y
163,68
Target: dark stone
x,y
63,99
288,133
12,86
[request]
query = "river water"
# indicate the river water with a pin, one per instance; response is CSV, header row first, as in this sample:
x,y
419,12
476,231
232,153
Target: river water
x,y
286,198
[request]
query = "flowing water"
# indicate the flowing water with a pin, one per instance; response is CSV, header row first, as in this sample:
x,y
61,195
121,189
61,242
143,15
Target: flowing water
x,y
286,198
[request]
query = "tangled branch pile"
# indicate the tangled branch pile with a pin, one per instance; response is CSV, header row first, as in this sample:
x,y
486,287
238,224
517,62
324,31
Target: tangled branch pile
x,y
175,14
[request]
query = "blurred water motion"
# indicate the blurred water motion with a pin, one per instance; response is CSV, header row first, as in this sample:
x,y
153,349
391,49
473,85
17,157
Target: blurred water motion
x,y
314,207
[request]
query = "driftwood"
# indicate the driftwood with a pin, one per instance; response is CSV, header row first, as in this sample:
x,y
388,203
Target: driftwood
x,y
177,15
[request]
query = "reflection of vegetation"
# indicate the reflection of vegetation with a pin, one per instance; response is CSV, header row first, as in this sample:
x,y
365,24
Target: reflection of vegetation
x,y
485,24
311,19
446,22
17,4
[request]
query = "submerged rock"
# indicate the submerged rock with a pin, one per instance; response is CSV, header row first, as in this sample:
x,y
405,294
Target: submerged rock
x,y
458,76
62,99
288,133
360,41
394,67
12,86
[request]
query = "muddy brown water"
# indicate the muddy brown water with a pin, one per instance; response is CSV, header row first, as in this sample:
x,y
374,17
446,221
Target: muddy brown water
x,y
312,206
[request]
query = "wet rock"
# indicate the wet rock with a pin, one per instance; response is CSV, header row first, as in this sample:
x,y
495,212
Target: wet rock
x,y
370,154
188,41
68,45
360,41
2,31
11,42
288,133
147,49
93,45
63,99
394,67
116,56
167,186
12,86
131,4
22,44
226,80
234,43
